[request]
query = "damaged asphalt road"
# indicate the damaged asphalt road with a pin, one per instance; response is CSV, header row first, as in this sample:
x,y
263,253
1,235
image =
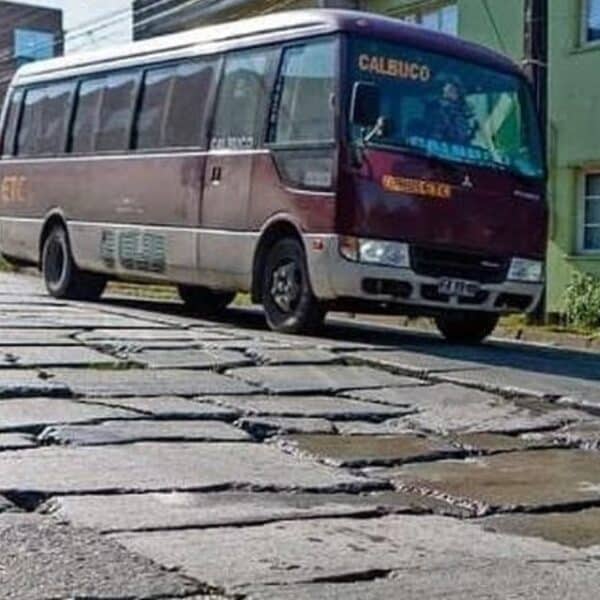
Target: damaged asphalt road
x,y
145,453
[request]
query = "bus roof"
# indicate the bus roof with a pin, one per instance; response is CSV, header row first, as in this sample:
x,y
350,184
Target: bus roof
x,y
269,28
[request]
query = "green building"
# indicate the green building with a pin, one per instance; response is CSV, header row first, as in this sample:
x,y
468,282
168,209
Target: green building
x,y
573,97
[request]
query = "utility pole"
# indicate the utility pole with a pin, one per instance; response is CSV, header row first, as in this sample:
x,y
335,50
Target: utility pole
x,y
536,55
536,67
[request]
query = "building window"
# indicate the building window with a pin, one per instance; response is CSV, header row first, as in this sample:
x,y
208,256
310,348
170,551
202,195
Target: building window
x,y
592,20
443,19
32,44
591,213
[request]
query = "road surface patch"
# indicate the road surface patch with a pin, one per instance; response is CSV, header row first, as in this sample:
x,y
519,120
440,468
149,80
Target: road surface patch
x,y
323,407
179,510
304,379
532,480
147,467
368,450
146,382
128,432
36,413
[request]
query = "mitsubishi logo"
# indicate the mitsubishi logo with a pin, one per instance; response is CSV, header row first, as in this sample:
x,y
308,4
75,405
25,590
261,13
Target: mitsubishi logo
x,y
467,183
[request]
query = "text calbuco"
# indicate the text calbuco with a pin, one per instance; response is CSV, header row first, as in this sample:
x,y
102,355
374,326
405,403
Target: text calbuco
x,y
393,67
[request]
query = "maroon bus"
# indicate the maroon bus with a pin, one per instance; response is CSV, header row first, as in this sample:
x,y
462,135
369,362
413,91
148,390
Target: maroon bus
x,y
316,159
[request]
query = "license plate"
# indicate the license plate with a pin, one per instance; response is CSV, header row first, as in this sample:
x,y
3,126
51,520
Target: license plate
x,y
458,287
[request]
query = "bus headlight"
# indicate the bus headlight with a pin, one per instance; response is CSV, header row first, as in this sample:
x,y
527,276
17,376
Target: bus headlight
x,y
528,271
375,252
389,254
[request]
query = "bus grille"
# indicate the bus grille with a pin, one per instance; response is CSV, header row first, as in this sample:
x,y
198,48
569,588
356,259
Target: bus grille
x,y
435,262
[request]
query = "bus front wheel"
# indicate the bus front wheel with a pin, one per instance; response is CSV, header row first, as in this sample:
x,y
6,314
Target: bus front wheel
x,y
466,327
62,276
204,301
287,297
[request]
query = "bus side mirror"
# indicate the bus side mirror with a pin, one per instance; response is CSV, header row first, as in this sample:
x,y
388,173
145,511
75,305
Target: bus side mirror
x,y
365,107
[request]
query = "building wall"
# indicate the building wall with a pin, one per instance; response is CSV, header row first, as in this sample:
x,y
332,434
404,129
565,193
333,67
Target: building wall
x,y
15,16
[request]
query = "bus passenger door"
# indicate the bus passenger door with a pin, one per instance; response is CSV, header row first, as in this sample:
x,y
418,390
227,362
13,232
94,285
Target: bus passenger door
x,y
239,120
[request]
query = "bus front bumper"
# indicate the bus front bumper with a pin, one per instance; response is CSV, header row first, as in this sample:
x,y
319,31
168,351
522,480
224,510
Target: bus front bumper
x,y
334,278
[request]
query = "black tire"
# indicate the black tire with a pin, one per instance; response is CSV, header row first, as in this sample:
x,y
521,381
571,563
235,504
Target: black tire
x,y
204,301
287,297
466,327
62,276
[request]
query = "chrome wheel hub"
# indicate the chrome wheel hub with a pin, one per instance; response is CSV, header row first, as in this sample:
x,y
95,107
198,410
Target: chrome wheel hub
x,y
286,286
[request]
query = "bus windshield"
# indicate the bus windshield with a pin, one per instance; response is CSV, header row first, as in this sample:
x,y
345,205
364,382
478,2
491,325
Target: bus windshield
x,y
448,108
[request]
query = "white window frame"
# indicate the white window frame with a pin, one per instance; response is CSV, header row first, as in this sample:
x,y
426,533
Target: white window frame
x,y
581,222
416,16
583,28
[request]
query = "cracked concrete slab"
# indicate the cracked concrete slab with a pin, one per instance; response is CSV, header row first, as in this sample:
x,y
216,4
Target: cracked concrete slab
x,y
292,356
543,581
324,407
55,356
189,358
335,549
179,510
22,383
136,335
16,441
261,427
451,408
129,432
144,382
489,443
579,529
536,479
42,559
581,435
413,360
176,466
165,407
66,321
578,392
368,450
314,379
36,337
29,413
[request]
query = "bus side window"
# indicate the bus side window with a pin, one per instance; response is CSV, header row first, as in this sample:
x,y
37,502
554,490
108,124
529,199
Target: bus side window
x,y
306,87
10,123
87,114
45,120
302,119
243,95
173,106
116,111
193,86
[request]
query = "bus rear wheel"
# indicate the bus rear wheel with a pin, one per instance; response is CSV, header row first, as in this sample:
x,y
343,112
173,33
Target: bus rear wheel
x,y
62,277
204,301
287,297
466,327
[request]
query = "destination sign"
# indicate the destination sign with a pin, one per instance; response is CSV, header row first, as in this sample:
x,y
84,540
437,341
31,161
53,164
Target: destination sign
x,y
394,67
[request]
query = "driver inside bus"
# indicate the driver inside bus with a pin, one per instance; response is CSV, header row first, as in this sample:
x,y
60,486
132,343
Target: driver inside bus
x,y
449,117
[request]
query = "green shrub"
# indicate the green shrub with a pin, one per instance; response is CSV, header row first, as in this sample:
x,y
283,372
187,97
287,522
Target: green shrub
x,y
582,301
